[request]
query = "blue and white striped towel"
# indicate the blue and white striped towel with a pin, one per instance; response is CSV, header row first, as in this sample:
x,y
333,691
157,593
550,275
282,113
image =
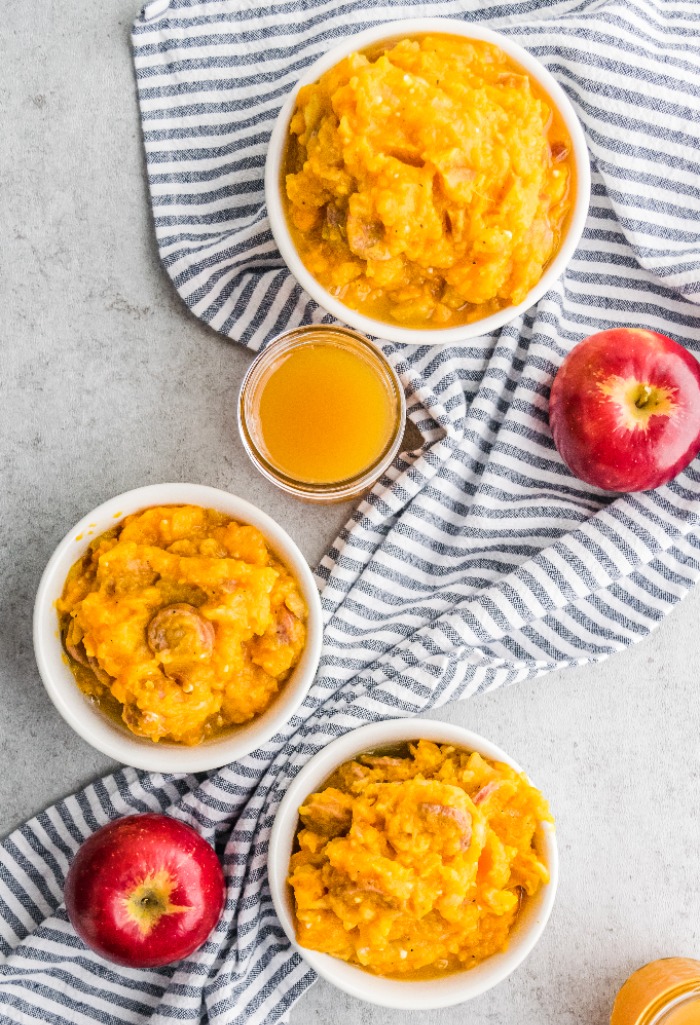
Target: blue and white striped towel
x,y
479,560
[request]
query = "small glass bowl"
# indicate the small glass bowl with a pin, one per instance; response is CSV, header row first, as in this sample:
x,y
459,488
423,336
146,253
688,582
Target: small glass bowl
x,y
657,991
249,419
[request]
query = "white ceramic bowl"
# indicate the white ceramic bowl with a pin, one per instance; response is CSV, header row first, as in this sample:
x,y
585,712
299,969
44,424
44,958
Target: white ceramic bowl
x,y
278,220
116,740
397,993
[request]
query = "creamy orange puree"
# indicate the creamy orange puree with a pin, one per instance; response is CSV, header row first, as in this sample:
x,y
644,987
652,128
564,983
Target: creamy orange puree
x,y
416,864
184,619
427,184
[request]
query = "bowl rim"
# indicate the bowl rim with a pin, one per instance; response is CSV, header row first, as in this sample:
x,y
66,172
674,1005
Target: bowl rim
x,y
431,994
109,737
277,216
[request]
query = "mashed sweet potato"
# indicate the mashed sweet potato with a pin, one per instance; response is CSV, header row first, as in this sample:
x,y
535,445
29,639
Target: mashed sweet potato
x,y
427,184
184,619
416,863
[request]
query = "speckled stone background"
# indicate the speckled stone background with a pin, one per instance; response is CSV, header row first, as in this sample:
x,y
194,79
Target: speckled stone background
x,y
108,383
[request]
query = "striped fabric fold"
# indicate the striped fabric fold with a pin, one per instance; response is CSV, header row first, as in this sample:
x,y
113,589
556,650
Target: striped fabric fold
x,y
478,560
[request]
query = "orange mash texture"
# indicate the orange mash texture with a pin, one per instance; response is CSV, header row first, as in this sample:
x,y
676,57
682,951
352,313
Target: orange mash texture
x,y
428,184
416,865
185,619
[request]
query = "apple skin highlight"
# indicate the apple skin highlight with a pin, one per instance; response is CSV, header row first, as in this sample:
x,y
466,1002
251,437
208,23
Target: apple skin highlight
x,y
624,409
145,891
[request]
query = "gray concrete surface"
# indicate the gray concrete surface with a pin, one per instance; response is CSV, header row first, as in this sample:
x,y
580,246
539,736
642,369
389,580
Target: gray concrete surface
x,y
108,383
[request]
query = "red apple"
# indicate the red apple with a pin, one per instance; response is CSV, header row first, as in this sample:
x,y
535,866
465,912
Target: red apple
x,y
145,890
625,409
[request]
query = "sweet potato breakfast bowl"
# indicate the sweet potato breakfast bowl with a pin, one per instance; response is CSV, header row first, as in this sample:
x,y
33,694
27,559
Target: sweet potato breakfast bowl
x,y
177,627
413,864
427,181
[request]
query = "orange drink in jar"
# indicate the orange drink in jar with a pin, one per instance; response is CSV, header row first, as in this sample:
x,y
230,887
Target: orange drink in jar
x,y
664,992
321,413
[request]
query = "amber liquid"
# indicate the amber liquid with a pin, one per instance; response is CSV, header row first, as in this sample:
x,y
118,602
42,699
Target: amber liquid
x,y
664,992
326,413
687,1013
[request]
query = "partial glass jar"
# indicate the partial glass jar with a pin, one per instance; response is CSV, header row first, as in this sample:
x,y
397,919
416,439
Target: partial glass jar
x,y
321,413
664,992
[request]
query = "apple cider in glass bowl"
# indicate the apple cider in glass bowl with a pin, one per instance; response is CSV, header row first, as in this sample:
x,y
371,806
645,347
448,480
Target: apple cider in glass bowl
x,y
664,992
321,413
